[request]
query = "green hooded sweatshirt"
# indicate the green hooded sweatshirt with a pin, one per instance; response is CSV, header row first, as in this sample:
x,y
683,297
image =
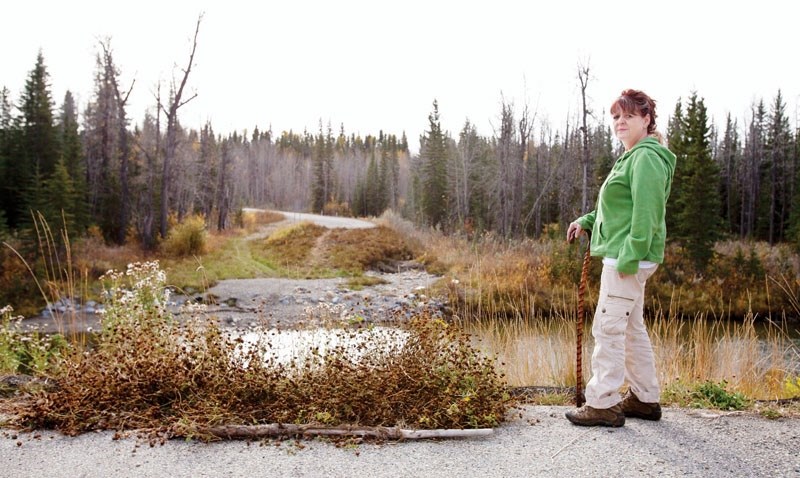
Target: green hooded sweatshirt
x,y
628,221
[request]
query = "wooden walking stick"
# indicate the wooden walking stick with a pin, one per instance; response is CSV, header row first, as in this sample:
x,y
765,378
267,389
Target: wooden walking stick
x,y
580,399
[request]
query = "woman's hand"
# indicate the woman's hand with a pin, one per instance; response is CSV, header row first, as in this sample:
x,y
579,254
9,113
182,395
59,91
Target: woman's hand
x,y
573,231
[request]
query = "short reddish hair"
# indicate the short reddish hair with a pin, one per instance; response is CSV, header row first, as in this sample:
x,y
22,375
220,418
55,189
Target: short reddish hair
x,y
637,102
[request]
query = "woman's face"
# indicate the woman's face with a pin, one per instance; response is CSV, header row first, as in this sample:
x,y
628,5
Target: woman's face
x,y
630,128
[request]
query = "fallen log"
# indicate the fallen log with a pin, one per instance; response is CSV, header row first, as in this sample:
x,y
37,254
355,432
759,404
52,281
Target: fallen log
x,y
240,432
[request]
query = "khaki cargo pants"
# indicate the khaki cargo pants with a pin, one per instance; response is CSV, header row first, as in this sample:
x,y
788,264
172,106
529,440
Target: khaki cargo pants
x,y
622,350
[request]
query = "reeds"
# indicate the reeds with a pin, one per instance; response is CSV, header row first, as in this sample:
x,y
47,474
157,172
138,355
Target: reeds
x,y
756,359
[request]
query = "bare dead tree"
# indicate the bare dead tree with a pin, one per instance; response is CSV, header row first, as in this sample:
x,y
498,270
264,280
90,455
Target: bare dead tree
x,y
171,113
124,144
525,128
583,78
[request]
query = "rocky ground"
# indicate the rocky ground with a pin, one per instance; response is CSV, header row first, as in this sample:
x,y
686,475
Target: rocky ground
x,y
250,302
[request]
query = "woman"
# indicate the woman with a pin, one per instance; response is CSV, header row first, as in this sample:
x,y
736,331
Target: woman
x,y
628,231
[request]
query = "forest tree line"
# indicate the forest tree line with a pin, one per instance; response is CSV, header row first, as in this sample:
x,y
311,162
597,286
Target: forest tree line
x,y
92,167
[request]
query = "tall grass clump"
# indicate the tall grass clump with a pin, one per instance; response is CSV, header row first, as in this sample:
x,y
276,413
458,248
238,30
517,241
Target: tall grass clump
x,y
187,238
152,371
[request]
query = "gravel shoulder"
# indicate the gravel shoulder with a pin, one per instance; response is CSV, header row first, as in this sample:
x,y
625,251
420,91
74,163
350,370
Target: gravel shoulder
x,y
537,442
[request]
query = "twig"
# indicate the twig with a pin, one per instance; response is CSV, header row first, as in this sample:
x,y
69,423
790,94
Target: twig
x,y
570,443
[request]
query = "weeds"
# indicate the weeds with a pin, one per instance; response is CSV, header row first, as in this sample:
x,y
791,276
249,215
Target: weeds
x,y
30,353
715,395
148,371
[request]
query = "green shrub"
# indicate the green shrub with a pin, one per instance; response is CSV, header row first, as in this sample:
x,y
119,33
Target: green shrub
x,y
714,395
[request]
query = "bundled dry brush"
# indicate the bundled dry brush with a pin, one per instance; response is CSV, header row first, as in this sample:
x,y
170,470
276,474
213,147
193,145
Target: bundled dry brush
x,y
149,371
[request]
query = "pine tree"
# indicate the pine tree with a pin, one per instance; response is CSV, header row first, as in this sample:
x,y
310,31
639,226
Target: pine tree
x,y
37,152
73,161
39,134
60,199
8,134
322,158
697,204
433,171
676,145
779,171
794,218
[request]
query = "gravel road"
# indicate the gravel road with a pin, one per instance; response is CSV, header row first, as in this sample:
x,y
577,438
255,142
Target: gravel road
x,y
324,221
540,442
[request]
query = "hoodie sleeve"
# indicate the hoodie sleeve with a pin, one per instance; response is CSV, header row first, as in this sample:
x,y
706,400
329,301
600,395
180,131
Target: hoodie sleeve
x,y
648,179
587,221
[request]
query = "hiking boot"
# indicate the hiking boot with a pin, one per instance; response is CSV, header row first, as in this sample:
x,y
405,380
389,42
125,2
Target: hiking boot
x,y
634,408
590,417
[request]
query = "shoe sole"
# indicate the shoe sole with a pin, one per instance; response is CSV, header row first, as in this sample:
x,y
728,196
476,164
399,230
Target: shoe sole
x,y
652,418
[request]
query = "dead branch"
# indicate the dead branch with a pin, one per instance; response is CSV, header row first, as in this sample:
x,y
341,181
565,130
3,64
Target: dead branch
x,y
240,432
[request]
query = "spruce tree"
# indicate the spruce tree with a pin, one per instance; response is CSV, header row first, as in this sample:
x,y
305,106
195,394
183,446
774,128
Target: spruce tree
x,y
318,181
35,148
7,136
73,161
794,218
697,204
40,140
60,200
676,145
433,156
778,171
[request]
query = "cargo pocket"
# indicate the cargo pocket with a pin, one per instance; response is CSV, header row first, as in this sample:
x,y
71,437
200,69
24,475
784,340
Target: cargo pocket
x,y
615,312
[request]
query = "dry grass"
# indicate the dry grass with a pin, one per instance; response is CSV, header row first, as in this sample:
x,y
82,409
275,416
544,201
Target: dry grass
x,y
541,352
356,250
254,220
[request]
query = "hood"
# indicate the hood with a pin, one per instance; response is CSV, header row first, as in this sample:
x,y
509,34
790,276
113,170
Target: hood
x,y
666,155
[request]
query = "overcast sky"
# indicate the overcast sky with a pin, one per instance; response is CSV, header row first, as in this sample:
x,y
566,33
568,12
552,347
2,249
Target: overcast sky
x,y
375,65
